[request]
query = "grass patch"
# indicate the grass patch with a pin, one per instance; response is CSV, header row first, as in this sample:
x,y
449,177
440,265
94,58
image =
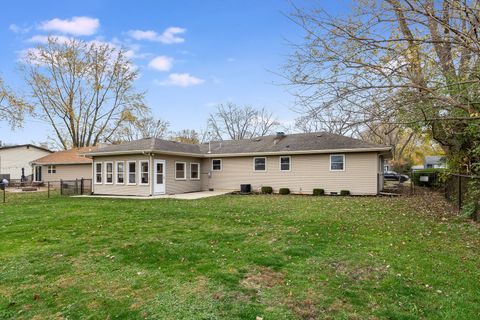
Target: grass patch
x,y
237,257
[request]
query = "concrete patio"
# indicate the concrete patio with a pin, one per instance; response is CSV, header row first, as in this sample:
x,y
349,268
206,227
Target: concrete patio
x,y
180,196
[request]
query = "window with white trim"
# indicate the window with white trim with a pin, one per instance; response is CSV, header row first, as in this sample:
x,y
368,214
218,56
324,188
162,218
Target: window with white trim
x,y
109,172
260,164
217,165
120,172
180,173
98,172
194,171
337,162
144,172
132,172
285,163
52,169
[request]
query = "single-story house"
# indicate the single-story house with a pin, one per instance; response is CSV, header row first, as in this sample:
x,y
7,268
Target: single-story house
x,y
15,159
300,162
63,165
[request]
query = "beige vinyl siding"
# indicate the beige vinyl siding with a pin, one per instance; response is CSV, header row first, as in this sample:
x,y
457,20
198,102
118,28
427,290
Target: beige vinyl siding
x,y
123,189
307,172
12,160
67,172
174,186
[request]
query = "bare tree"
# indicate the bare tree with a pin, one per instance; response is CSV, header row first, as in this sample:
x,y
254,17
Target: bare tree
x,y
413,63
12,108
141,127
84,90
236,122
186,136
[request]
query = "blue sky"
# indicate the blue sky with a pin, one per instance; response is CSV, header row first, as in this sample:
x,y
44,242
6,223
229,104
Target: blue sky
x,y
199,54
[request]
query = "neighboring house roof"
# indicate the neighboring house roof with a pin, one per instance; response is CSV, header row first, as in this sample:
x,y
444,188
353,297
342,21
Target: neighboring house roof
x,y
72,156
317,142
435,160
28,145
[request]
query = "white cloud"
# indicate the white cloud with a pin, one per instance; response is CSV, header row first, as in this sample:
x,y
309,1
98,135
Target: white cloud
x,y
181,80
17,29
161,63
169,36
78,26
44,39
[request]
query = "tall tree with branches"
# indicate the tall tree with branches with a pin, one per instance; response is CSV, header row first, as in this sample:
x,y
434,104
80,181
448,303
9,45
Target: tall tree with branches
x,y
142,126
84,90
12,108
231,121
410,63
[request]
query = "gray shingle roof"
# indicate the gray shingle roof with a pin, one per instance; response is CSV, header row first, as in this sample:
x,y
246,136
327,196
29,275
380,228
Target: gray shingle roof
x,y
288,143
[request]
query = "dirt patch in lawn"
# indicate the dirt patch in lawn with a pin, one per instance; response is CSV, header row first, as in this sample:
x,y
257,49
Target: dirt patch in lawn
x,y
262,278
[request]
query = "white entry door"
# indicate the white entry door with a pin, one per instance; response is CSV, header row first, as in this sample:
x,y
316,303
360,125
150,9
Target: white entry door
x,y
159,177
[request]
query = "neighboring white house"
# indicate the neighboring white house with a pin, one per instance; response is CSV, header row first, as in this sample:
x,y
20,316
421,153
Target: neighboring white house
x,y
15,159
434,162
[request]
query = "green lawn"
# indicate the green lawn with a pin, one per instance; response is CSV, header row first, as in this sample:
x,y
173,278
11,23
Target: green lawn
x,y
237,257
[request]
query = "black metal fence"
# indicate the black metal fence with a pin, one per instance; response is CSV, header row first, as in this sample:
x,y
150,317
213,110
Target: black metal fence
x,y
457,187
18,192
75,187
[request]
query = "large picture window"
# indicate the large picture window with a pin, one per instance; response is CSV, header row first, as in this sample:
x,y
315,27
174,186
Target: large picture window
x,y
285,163
132,172
98,172
180,173
109,172
260,164
217,165
194,171
120,172
337,162
144,172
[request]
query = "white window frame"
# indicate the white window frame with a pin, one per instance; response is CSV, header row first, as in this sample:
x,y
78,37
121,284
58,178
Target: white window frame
x,y
289,163
95,172
334,155
123,172
254,169
198,164
221,165
184,170
52,169
141,172
106,163
128,173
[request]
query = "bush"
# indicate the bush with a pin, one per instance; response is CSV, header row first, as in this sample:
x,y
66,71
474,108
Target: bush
x,y
344,192
435,177
284,191
318,192
267,190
